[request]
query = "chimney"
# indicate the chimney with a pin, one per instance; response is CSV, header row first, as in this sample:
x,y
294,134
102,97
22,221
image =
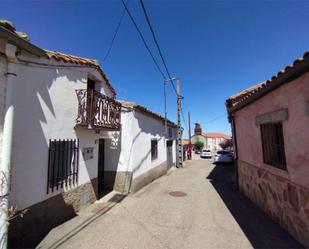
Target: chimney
x,y
197,129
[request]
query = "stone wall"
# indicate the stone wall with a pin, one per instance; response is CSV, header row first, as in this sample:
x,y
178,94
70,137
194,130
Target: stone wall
x,y
286,202
3,70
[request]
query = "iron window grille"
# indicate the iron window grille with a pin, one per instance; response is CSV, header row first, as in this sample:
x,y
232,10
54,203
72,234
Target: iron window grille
x,y
154,149
273,145
63,161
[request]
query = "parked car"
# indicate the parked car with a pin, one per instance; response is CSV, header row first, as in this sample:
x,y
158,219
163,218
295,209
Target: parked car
x,y
224,156
206,154
197,151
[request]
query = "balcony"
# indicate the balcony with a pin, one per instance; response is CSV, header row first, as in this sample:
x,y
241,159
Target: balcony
x,y
97,111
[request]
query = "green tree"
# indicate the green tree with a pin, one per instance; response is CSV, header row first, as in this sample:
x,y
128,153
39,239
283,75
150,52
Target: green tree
x,y
198,145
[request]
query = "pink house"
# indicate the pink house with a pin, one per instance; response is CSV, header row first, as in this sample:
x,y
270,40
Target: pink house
x,y
270,124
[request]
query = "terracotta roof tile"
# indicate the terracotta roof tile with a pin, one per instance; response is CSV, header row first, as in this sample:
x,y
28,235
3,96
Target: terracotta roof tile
x,y
185,141
216,135
145,110
251,92
67,58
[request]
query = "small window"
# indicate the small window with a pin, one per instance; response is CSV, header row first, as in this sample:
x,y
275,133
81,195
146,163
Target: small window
x,y
273,145
154,149
170,132
62,163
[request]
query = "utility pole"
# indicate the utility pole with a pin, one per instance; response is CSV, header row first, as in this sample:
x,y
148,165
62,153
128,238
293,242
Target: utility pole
x,y
179,129
190,145
179,151
165,109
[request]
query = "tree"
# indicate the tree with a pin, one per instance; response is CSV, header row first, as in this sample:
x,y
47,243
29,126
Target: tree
x,y
228,143
198,145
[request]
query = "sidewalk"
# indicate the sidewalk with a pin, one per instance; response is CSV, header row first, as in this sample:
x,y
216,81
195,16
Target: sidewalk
x,y
67,230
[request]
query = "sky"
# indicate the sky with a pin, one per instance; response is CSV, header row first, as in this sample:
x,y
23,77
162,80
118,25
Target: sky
x,y
215,48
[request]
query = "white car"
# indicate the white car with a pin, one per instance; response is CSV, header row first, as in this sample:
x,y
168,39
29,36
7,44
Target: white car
x,y
223,156
206,154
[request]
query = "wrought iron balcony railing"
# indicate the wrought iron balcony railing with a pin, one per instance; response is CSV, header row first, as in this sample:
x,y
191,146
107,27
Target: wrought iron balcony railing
x,y
97,111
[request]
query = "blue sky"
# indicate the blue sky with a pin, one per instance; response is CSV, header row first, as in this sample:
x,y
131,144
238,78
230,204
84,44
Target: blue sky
x,y
216,48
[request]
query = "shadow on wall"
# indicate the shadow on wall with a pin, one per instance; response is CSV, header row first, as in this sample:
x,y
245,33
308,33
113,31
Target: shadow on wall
x,y
27,232
29,174
260,230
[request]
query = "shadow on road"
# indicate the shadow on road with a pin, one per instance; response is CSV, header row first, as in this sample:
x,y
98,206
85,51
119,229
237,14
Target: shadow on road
x,y
260,230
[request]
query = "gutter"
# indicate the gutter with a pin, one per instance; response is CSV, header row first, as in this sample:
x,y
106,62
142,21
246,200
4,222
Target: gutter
x,y
10,52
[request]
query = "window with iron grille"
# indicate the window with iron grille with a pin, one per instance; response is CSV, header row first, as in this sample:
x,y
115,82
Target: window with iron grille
x,y
63,162
273,145
154,149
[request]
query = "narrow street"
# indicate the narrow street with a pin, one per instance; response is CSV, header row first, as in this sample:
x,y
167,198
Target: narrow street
x,y
209,213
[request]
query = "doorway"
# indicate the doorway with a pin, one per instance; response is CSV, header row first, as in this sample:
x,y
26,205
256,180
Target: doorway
x,y
101,168
169,155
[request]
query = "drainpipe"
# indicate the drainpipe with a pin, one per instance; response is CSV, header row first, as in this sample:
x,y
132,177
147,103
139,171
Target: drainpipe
x,y
10,52
235,150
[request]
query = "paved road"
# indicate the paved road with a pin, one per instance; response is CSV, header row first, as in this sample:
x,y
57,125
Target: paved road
x,y
211,215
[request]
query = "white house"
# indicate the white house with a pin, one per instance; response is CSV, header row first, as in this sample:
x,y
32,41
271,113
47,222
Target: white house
x,y
147,150
71,140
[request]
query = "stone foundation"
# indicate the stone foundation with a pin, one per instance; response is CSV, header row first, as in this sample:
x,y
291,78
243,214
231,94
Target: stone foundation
x,y
40,218
148,177
286,202
122,181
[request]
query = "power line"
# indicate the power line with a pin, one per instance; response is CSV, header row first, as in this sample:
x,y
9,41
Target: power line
x,y
156,42
158,47
161,55
115,33
143,39
215,119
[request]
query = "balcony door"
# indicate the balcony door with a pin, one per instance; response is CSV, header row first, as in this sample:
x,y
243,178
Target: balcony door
x,y
90,84
90,100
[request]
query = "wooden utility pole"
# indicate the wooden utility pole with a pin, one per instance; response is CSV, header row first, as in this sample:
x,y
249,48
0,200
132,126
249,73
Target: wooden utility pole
x,y
179,129
190,145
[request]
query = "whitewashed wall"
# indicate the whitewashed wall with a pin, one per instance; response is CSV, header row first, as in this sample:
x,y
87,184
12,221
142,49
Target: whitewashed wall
x,y
46,108
3,70
118,150
137,131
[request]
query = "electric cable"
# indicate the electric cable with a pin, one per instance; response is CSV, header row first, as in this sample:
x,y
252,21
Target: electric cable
x,y
142,37
115,33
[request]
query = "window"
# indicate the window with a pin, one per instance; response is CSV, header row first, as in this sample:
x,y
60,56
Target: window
x,y
62,163
273,145
154,149
170,132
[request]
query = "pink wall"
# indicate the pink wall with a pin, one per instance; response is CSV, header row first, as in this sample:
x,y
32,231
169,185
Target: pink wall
x,y
294,96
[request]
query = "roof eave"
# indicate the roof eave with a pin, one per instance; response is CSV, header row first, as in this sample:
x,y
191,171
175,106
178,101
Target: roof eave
x,y
21,43
283,78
